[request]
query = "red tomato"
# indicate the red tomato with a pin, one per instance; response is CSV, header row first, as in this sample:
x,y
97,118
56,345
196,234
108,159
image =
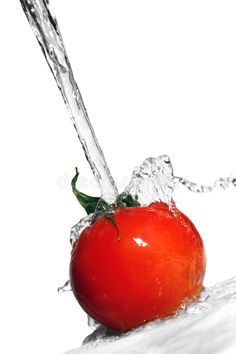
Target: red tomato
x,y
156,264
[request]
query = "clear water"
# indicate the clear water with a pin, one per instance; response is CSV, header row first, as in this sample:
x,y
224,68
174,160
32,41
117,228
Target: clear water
x,y
154,181
207,326
46,30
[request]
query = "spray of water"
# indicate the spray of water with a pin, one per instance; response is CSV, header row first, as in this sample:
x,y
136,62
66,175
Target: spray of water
x,y
46,30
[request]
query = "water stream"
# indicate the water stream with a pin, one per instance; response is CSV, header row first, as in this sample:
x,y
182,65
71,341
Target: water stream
x,y
46,30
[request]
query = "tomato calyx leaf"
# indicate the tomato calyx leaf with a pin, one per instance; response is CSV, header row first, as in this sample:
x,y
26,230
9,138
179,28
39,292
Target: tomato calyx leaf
x,y
99,207
90,204
97,204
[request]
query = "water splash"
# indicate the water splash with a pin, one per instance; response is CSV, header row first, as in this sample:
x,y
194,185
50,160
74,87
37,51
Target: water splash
x,y
154,181
204,326
199,188
46,30
79,227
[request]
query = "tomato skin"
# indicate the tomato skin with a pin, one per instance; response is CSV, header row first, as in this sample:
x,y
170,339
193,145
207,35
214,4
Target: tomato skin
x,y
157,264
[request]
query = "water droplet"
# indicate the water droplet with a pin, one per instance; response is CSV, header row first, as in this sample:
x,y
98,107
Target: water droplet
x,y
66,287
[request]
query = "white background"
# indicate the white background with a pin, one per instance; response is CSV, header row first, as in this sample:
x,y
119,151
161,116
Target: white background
x,y
157,77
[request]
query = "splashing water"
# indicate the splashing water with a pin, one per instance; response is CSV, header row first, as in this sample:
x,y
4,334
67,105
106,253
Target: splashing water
x,y
154,181
205,327
66,287
46,30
